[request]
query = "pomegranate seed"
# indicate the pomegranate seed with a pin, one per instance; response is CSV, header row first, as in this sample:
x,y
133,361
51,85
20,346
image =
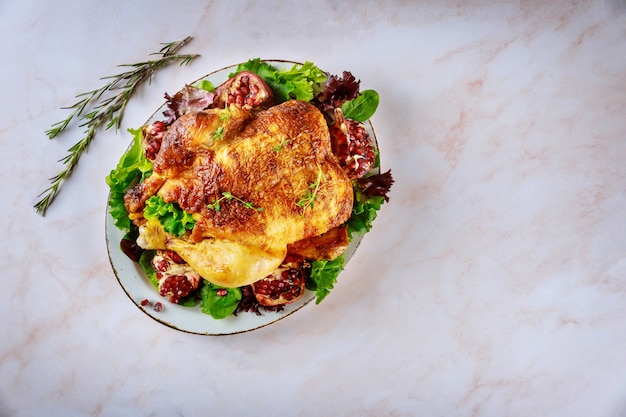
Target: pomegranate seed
x,y
175,257
161,265
145,302
158,306
174,287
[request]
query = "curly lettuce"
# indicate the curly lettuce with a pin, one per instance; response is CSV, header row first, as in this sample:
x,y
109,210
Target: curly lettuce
x,y
132,167
364,213
323,277
370,193
174,220
300,82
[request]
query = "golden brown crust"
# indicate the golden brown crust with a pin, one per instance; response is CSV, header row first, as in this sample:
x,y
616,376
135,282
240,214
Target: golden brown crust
x,y
272,174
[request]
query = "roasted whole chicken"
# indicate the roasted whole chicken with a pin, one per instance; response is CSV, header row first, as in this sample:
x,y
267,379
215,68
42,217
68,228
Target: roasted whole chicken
x,y
279,170
243,197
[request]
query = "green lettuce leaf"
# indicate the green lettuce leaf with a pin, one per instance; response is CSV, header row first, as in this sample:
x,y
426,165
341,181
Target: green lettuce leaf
x,y
133,167
323,277
364,212
174,220
206,85
362,107
144,262
216,303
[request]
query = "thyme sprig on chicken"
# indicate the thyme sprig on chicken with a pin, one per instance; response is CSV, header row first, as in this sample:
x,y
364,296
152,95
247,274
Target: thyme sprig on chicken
x,y
107,111
228,196
309,198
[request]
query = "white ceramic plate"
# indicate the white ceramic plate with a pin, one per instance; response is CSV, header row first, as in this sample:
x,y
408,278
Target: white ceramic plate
x,y
191,319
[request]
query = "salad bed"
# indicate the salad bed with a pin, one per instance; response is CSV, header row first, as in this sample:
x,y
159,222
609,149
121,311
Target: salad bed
x,y
338,98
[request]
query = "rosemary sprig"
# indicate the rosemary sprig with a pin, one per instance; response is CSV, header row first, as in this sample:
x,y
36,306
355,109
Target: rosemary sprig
x,y
107,112
309,198
228,196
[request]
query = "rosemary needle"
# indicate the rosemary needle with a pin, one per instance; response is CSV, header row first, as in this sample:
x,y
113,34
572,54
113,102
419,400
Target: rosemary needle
x,y
107,111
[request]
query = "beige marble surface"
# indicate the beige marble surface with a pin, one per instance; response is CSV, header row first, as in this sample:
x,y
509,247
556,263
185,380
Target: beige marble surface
x,y
492,284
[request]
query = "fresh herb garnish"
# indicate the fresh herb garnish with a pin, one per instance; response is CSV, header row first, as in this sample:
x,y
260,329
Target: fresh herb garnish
x,y
282,145
107,112
218,134
224,116
308,199
228,196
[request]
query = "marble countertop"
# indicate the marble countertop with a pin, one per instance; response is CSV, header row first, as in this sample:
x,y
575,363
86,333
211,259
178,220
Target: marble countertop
x,y
492,284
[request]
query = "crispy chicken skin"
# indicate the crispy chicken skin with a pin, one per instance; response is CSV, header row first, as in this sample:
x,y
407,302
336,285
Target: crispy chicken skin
x,y
276,165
